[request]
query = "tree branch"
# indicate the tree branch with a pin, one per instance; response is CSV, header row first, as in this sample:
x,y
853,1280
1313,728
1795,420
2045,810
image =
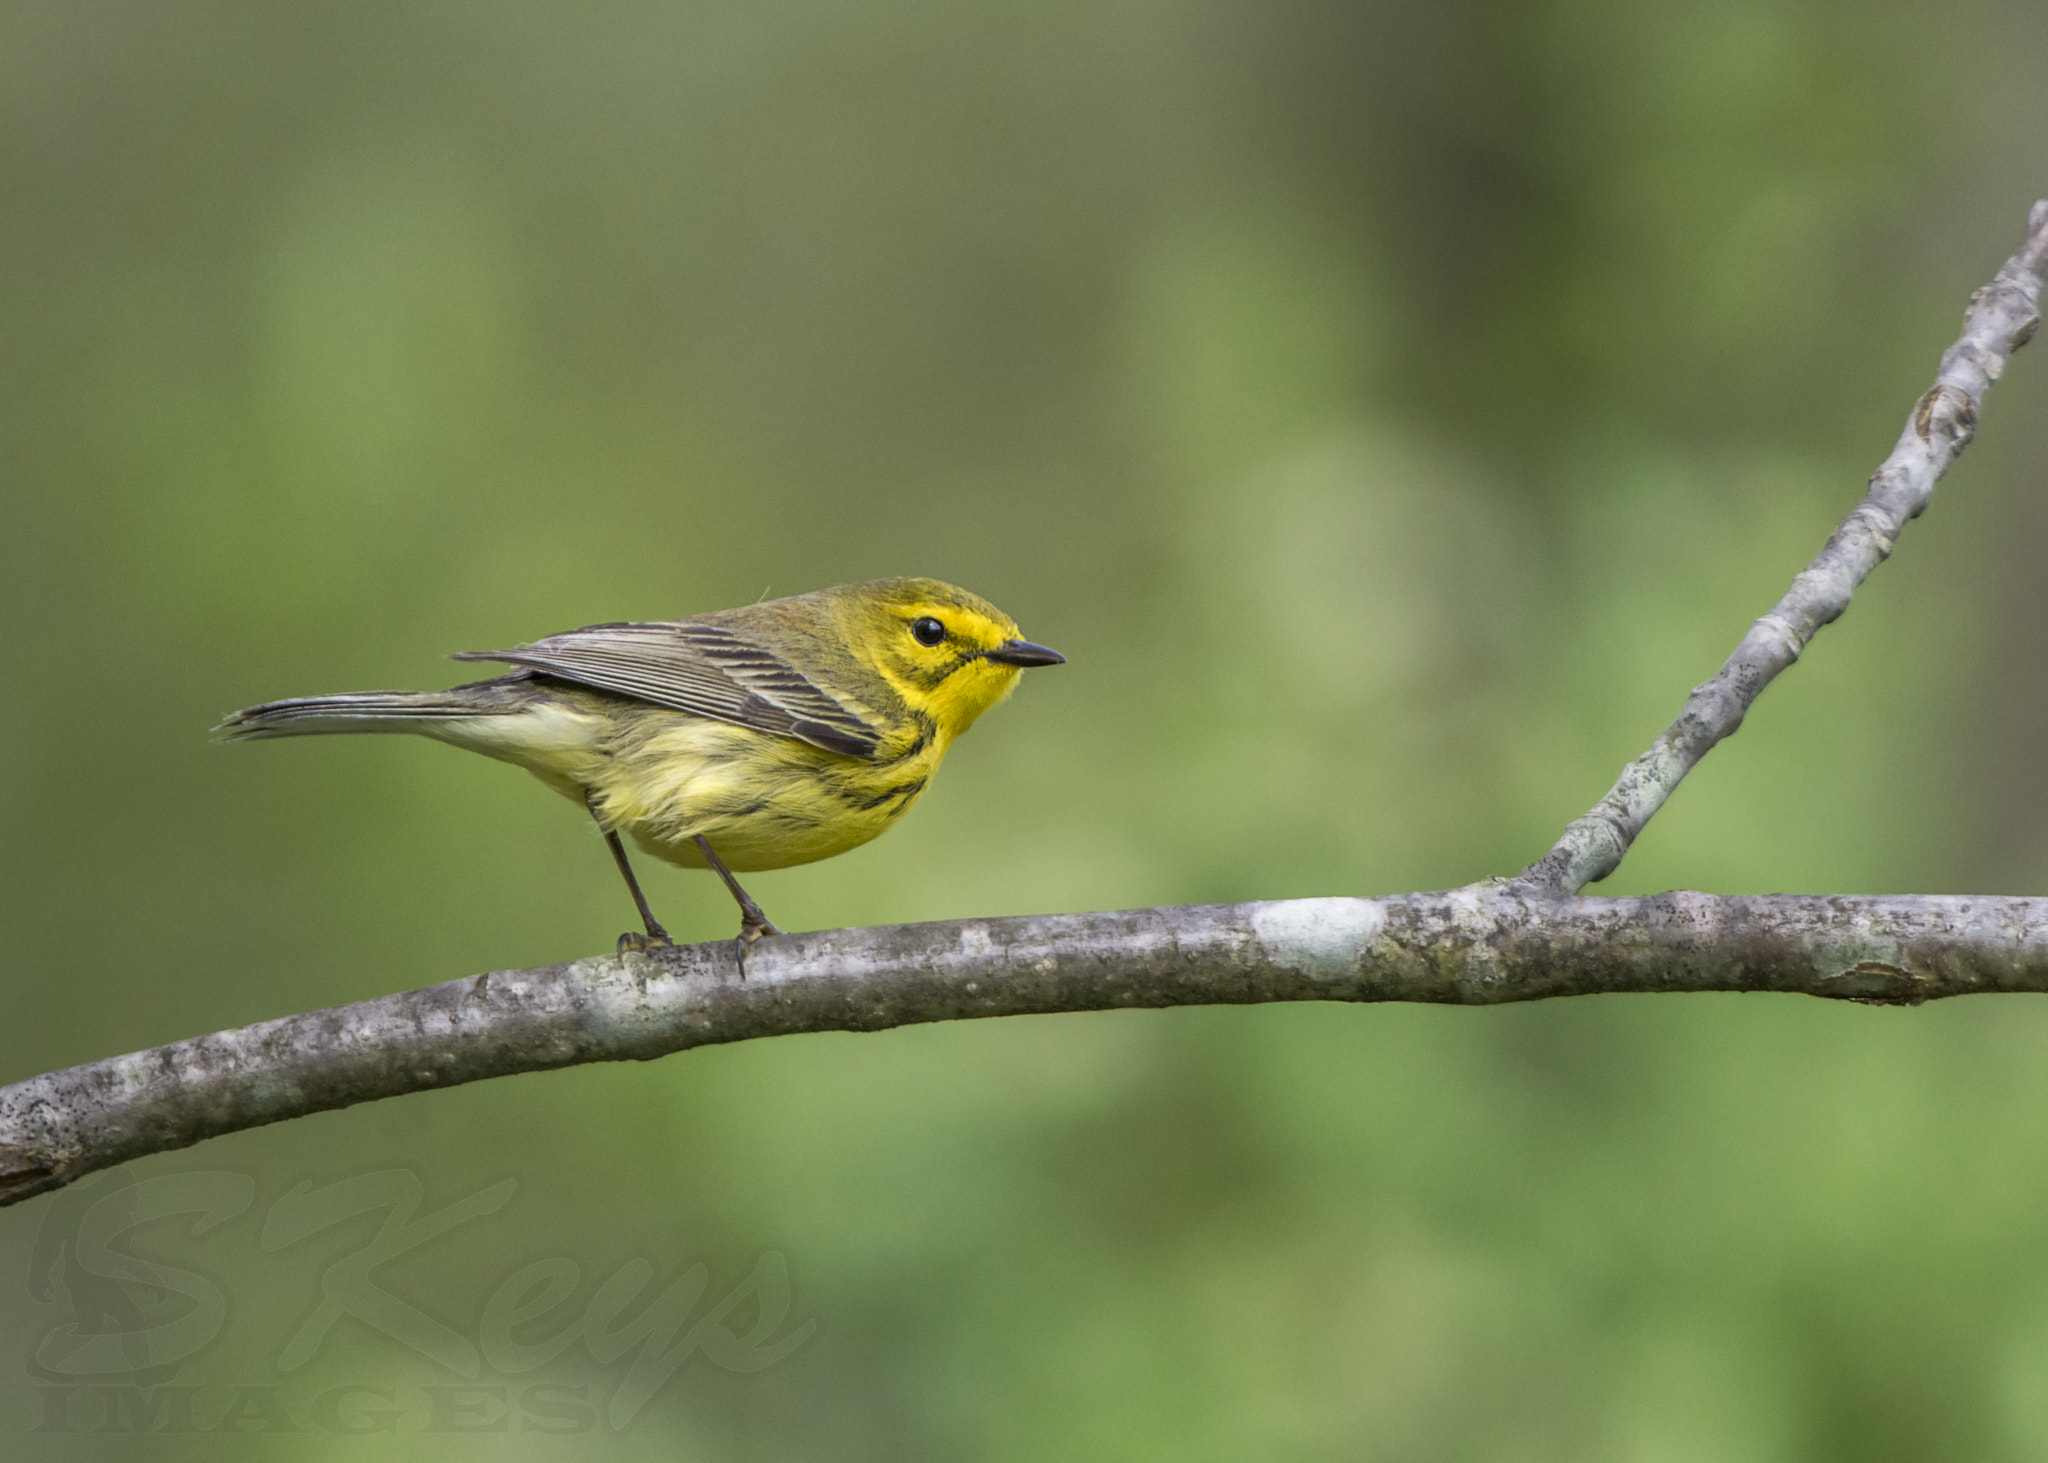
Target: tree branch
x,y
2002,317
1503,940
1482,945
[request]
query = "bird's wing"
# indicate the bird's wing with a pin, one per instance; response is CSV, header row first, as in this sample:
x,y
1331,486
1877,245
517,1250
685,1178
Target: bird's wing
x,y
705,670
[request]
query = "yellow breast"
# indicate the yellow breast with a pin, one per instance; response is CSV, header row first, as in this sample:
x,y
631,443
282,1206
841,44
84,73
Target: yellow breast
x,y
763,802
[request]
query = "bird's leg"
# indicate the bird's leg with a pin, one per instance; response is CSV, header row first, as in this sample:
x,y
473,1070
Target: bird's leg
x,y
655,935
754,925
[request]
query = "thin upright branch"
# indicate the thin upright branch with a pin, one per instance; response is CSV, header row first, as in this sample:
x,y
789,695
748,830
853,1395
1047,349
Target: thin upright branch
x,y
1501,940
2002,317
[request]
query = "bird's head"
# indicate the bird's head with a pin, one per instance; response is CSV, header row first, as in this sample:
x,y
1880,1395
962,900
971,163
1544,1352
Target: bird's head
x,y
949,654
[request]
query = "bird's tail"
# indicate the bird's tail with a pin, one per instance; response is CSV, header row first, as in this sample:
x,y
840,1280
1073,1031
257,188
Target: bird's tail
x,y
425,712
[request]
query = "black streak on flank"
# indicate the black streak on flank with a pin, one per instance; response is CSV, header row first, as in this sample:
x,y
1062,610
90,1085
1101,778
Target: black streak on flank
x,y
927,729
908,789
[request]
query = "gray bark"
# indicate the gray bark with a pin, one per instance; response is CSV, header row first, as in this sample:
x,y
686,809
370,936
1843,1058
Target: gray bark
x,y
1501,940
1482,945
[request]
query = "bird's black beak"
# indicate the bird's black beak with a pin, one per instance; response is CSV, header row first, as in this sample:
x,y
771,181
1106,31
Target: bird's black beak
x,y
1024,653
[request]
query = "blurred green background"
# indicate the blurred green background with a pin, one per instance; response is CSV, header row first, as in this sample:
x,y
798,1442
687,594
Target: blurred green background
x,y
1390,409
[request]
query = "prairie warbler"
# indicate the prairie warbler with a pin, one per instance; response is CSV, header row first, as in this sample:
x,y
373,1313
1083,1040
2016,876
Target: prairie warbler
x,y
754,738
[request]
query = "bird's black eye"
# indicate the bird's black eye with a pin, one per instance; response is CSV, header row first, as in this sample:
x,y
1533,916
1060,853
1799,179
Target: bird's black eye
x,y
927,630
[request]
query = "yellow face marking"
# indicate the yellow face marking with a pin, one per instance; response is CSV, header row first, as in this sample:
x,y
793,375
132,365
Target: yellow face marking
x,y
934,653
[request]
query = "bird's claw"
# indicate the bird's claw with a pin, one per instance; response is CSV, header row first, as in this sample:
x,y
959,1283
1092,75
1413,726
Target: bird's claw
x,y
752,929
634,940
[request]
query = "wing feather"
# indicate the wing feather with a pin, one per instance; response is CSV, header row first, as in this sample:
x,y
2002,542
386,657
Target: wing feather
x,y
702,669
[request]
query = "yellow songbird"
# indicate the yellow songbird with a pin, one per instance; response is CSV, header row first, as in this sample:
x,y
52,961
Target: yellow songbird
x,y
755,738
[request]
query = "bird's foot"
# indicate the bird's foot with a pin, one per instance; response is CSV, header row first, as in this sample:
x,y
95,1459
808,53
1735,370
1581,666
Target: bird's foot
x,y
654,939
754,926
